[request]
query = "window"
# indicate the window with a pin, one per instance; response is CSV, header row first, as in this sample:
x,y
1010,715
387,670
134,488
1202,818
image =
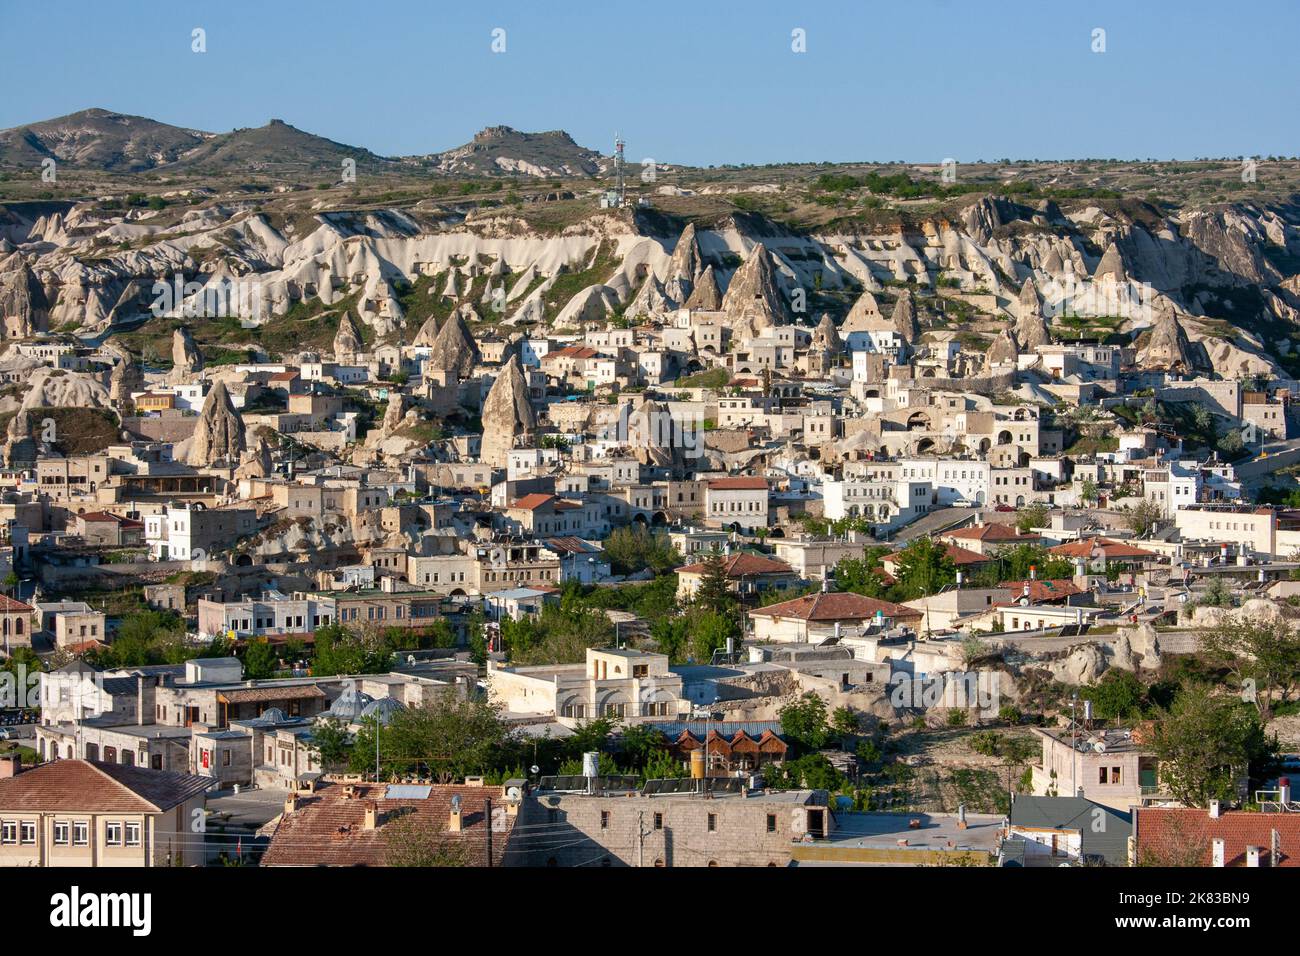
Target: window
x,y
133,834
1101,775
771,823
604,819
81,833
28,830
113,834
61,834
1114,775
659,821
713,822
8,832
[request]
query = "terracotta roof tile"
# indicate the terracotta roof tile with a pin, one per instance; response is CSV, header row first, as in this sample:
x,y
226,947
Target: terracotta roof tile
x,y
836,606
93,787
1168,834
328,828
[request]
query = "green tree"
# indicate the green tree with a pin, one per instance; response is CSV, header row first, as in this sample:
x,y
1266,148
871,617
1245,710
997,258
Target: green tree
x,y
1035,516
635,548
924,568
340,651
1088,491
861,575
1119,695
447,738
714,592
260,660
1143,516
1263,655
331,743
1204,743
709,632
804,722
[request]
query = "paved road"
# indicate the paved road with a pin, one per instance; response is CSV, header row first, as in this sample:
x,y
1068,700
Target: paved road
x,y
934,523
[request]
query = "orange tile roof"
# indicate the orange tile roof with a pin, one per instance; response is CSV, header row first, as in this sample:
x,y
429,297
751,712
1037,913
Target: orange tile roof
x,y
1044,591
1110,549
743,565
328,828
533,502
9,605
91,787
1172,833
992,532
742,483
836,606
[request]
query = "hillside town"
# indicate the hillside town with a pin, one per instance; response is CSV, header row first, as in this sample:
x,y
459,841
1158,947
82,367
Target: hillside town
x,y
683,562
490,499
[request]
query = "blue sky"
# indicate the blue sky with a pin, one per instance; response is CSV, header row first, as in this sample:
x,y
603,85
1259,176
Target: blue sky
x,y
702,82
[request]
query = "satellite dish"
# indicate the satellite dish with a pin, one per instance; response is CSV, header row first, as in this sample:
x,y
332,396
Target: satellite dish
x,y
514,794
1099,747
534,769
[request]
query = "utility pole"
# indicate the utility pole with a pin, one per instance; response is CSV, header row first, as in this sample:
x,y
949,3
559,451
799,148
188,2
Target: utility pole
x,y
1074,746
640,838
487,819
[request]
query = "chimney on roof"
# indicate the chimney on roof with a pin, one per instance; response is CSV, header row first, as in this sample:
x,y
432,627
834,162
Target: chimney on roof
x,y
454,822
11,765
1252,855
1216,809
1217,856
372,816
1274,848
290,803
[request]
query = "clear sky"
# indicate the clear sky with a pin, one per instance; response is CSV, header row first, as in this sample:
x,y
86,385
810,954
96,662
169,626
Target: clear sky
x,y
700,82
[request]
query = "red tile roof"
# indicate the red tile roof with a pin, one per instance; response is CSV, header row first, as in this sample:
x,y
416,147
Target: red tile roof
x,y
10,606
109,516
1174,836
1109,548
1043,591
744,565
992,532
91,787
533,502
328,828
836,606
738,484
572,351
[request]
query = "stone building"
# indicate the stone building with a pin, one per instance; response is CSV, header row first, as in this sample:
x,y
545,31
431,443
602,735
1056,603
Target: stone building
x,y
632,828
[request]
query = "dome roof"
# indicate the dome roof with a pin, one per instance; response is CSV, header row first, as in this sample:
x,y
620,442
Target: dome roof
x,y
381,709
349,704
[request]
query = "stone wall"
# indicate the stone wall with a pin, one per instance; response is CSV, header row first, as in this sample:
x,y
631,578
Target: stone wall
x,y
557,829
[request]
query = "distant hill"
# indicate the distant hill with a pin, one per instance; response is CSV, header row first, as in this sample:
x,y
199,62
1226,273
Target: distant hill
x,y
98,139
102,140
500,149
276,148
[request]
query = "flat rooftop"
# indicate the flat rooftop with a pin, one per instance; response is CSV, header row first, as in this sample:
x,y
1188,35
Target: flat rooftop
x,y
937,831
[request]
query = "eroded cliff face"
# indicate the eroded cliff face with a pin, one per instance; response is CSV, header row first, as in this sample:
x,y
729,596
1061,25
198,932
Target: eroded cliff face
x,y
1233,264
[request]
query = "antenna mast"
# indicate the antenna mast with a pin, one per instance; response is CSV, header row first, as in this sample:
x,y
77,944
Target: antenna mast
x,y
620,187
